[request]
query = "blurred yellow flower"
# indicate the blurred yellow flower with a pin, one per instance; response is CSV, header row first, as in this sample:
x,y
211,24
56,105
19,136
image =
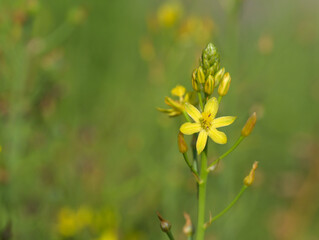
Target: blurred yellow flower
x,y
206,124
168,14
108,235
84,216
67,222
177,106
178,91
196,29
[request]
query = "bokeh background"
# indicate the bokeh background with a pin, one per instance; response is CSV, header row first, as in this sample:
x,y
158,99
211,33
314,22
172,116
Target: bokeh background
x,y
85,154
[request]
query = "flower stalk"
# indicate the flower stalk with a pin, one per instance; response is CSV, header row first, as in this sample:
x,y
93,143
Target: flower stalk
x,y
202,197
203,124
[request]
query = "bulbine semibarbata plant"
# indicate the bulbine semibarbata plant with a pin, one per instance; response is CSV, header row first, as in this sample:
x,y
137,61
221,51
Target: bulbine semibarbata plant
x,y
203,123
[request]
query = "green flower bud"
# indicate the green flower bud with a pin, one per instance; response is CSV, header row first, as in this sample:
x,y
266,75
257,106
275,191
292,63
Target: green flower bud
x,y
210,57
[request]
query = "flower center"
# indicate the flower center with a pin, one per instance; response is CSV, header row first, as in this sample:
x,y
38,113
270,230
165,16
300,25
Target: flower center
x,y
206,120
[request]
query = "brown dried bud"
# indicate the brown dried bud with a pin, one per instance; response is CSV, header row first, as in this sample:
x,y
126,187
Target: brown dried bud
x,y
165,225
248,180
188,228
249,126
182,145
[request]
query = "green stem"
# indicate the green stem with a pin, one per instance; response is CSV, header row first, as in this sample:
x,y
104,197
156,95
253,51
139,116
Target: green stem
x,y
186,117
170,235
202,197
190,165
230,205
226,153
219,99
200,101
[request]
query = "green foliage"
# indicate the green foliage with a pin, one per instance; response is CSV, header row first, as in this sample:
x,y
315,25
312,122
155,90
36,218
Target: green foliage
x,y
78,84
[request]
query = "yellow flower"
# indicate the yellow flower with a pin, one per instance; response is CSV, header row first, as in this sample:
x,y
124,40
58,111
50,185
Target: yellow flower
x,y
178,91
177,106
67,222
108,235
206,124
168,14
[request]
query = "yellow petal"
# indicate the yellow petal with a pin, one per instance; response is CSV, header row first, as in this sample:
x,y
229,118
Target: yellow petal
x,y
223,121
165,110
201,141
178,91
190,128
174,114
193,112
217,136
211,107
174,104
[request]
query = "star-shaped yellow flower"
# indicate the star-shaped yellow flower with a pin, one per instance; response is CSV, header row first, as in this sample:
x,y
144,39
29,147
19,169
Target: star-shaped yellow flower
x,y
206,124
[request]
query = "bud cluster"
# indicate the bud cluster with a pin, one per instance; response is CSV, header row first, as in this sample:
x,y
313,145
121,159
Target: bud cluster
x,y
209,74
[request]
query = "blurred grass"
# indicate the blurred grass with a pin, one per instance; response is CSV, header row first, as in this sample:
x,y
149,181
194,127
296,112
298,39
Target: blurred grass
x,y
79,83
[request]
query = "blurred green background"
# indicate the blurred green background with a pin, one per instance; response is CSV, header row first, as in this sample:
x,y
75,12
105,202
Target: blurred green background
x,y
85,154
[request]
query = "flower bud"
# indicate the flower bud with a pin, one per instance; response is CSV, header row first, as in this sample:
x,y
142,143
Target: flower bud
x,y
219,75
248,180
165,225
210,58
249,126
224,85
182,146
188,228
210,71
209,85
194,81
200,75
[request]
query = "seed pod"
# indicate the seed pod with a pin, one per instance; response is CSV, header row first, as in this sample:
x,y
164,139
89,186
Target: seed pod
x,y
249,126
